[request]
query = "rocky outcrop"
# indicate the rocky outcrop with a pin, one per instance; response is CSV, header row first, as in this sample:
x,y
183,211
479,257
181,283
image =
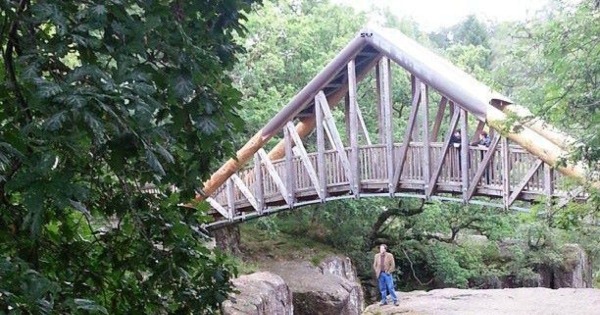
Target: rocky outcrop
x,y
575,271
492,302
330,288
260,293
342,267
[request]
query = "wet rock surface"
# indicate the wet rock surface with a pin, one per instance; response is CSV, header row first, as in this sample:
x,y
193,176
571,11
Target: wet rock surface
x,y
495,301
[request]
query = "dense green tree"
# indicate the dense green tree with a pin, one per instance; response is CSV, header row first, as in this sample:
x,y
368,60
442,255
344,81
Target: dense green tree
x,y
97,99
552,65
291,42
470,31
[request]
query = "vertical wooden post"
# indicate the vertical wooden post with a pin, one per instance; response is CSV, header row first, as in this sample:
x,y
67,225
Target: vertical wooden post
x,y
548,184
386,127
259,189
464,153
426,161
354,154
505,171
230,199
290,170
380,109
321,149
347,116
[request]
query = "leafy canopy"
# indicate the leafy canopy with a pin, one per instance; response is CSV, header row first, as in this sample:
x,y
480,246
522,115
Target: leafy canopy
x,y
97,99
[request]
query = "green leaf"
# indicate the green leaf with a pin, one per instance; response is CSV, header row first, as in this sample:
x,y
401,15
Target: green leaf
x,y
88,305
154,163
55,122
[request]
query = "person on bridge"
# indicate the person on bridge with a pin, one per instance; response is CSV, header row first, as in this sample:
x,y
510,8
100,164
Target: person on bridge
x,y
455,141
484,140
484,143
384,265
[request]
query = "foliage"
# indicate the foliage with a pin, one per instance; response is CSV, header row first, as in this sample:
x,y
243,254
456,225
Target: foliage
x,y
288,37
553,66
99,98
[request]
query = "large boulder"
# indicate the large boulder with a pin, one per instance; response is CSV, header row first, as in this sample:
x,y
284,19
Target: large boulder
x,y
575,270
260,293
342,267
322,290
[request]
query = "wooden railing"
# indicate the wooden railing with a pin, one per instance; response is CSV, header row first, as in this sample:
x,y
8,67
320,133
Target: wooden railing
x,y
374,177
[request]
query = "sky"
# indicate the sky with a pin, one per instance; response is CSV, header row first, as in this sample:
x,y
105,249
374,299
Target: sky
x,y
434,14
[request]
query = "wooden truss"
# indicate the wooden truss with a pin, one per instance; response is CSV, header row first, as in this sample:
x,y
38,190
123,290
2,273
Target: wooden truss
x,y
422,162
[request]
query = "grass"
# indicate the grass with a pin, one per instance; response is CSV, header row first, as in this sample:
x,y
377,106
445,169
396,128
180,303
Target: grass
x,y
259,246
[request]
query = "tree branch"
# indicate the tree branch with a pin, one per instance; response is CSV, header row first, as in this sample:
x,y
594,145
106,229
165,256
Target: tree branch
x,y
11,45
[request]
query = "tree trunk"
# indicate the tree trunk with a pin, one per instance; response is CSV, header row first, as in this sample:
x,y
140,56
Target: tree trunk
x,y
228,239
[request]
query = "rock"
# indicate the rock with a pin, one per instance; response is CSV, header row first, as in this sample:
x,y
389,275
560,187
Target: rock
x,y
342,267
494,301
575,271
260,293
321,290
338,266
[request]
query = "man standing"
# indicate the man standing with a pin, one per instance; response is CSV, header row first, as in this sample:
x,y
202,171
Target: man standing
x,y
384,265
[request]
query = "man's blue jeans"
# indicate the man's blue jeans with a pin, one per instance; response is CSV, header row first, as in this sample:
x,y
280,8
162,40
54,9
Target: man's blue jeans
x,y
386,285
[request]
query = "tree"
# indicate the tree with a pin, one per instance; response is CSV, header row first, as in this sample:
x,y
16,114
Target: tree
x,y
99,98
553,65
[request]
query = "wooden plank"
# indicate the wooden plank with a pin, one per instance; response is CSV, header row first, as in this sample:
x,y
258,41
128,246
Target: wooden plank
x,y
273,173
380,109
329,137
329,123
426,158
312,173
230,199
407,137
504,153
483,166
290,172
524,182
321,150
354,163
259,187
464,153
439,117
363,126
440,164
548,183
217,206
245,191
387,126
347,114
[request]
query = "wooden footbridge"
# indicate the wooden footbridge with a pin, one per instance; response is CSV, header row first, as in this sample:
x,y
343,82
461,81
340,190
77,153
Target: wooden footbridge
x,y
321,157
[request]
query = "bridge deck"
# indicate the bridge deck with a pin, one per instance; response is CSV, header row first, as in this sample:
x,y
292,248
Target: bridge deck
x,y
234,202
